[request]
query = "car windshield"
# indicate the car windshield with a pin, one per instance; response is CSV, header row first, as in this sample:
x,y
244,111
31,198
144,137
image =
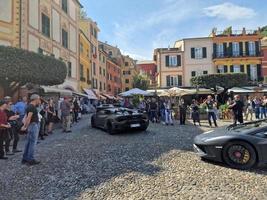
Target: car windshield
x,y
248,126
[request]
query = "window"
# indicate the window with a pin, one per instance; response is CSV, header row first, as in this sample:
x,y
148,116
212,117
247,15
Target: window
x,y
220,69
219,50
126,89
104,59
81,72
95,33
45,25
64,38
236,68
94,69
104,86
252,48
109,88
236,51
104,72
126,64
198,53
64,5
87,53
174,81
100,86
100,71
110,53
69,69
126,80
253,72
193,73
88,75
205,72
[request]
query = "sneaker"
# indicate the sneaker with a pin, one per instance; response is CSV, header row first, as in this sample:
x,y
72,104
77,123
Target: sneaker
x,y
10,153
16,151
33,162
3,158
23,162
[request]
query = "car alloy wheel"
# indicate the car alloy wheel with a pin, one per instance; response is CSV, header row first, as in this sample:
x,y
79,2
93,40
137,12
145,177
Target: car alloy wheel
x,y
240,155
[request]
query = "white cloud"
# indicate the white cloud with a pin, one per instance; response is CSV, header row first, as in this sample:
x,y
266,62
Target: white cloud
x,y
229,11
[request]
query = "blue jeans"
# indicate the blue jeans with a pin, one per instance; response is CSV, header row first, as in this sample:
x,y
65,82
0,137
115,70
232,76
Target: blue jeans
x,y
162,114
257,112
32,137
262,112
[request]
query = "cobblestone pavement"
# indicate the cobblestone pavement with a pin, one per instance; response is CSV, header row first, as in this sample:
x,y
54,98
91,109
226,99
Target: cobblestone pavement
x,y
157,164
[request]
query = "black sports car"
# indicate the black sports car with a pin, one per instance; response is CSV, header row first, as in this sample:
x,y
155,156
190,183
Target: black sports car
x,y
243,146
114,119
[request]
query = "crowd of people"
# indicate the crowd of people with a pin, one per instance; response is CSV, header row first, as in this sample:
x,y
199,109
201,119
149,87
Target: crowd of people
x,y
166,109
34,117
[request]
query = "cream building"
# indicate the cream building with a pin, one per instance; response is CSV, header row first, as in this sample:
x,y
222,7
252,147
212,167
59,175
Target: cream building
x,y
170,67
197,57
91,30
10,23
128,70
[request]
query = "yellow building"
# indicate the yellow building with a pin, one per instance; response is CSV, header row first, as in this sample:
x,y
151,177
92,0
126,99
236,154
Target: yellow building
x,y
238,51
10,23
85,61
103,57
128,70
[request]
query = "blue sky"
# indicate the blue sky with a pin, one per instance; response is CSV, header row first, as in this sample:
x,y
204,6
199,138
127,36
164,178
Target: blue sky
x,y
139,26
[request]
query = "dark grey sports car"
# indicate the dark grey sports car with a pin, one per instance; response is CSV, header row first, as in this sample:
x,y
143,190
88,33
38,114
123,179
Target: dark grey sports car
x,y
243,146
114,119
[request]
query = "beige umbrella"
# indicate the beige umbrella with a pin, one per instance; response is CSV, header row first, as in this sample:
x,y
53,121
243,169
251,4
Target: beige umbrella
x,y
175,91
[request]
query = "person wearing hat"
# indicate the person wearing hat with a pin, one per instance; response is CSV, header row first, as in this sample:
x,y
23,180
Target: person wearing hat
x,y
4,126
32,126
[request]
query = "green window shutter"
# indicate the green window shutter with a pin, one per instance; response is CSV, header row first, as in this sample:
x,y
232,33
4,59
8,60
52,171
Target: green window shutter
x,y
231,68
242,69
168,81
214,50
180,80
257,46
230,49
167,61
247,49
193,53
248,72
225,68
179,63
224,49
204,51
241,48
259,72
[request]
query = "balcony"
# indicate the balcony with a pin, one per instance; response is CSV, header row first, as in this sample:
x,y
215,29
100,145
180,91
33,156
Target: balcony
x,y
236,54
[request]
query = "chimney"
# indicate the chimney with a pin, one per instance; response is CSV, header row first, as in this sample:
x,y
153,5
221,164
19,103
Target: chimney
x,y
244,31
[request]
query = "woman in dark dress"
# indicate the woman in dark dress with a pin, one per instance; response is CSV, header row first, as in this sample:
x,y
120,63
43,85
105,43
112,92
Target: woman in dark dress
x,y
51,115
195,112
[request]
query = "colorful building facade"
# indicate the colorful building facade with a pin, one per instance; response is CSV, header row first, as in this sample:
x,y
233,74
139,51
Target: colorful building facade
x,y
129,70
169,66
264,58
149,69
85,62
103,56
113,77
238,51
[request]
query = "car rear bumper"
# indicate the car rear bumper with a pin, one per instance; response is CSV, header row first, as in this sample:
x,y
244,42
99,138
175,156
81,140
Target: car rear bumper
x,y
209,152
130,125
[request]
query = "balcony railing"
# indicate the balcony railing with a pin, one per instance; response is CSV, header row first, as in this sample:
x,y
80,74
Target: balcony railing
x,y
236,33
236,54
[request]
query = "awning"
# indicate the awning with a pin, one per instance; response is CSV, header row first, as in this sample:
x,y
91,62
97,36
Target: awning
x,y
90,94
108,96
245,90
102,97
62,92
80,94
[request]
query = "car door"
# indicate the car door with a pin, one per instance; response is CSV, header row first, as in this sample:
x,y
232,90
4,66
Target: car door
x,y
101,117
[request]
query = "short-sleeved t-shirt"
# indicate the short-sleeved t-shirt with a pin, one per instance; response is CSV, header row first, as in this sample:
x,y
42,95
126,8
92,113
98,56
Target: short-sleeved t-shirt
x,y
3,117
32,109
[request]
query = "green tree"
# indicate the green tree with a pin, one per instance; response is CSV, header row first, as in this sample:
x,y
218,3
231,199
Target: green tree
x,y
20,67
140,82
226,81
263,31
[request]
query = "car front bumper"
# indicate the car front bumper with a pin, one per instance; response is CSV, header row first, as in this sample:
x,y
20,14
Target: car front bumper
x,y
209,152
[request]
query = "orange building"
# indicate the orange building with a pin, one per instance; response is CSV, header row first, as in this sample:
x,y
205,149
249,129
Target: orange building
x,y
113,77
238,51
264,58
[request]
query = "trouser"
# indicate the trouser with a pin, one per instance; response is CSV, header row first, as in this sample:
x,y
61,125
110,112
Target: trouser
x,y
238,117
12,134
66,121
42,127
15,138
153,115
262,113
211,115
249,112
257,113
8,138
76,116
2,139
32,138
182,117
168,117
162,114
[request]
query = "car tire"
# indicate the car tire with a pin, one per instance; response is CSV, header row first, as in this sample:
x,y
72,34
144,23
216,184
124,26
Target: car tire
x,y
109,128
93,122
239,155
